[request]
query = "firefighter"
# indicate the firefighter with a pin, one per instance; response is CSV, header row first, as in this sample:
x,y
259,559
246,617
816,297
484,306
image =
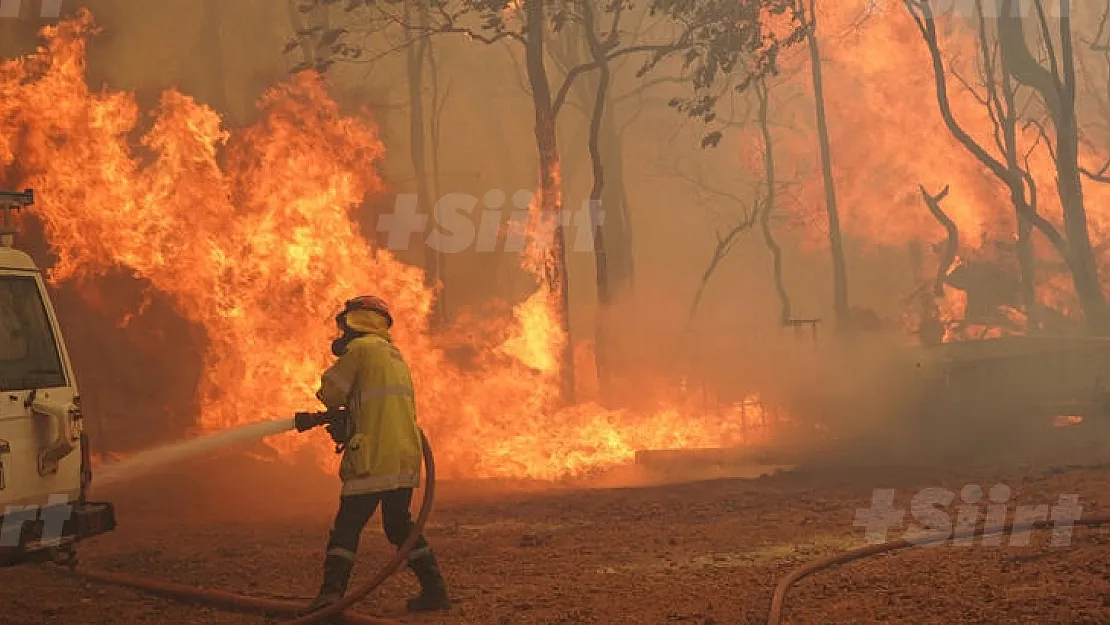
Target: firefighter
x,y
382,452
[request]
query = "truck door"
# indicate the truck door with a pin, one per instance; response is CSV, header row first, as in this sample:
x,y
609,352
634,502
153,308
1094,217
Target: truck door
x,y
31,368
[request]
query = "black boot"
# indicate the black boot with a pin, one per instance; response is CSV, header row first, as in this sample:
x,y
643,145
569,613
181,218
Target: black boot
x,y
433,590
337,574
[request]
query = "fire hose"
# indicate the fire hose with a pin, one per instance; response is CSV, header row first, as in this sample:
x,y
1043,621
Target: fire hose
x,y
273,606
778,600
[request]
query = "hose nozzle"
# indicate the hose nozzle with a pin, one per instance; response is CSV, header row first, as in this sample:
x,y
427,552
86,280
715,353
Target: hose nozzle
x,y
305,421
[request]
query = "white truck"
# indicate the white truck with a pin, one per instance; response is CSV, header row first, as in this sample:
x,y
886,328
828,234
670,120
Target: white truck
x,y
45,469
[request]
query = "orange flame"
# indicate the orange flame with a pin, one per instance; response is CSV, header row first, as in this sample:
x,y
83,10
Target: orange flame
x,y
251,234
888,138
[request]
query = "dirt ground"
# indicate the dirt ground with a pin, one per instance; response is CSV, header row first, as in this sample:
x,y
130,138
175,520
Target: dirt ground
x,y
705,551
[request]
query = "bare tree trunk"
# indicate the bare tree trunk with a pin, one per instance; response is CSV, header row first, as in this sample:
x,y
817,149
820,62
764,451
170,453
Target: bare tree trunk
x,y
604,295
617,226
611,235
1026,258
763,96
551,199
1002,100
952,242
618,220
1057,88
416,56
836,242
931,329
602,121
1027,266
435,127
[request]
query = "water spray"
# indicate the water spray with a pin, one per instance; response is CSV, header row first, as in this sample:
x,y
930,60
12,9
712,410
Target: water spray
x,y
149,460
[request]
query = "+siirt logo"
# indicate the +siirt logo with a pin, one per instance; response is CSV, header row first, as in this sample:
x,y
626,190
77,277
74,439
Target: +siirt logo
x,y
50,8
52,516
455,231
934,525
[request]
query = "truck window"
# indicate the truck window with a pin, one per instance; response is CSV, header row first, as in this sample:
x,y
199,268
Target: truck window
x,y
28,354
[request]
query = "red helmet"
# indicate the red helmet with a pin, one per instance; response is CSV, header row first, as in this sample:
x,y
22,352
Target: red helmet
x,y
369,302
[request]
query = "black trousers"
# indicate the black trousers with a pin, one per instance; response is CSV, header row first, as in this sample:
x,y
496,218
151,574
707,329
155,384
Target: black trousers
x,y
355,512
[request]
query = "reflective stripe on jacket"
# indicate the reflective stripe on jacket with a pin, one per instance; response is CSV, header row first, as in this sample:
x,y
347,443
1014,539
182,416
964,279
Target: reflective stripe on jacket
x,y
373,381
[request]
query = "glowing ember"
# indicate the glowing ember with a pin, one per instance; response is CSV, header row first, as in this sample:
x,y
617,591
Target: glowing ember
x,y
250,233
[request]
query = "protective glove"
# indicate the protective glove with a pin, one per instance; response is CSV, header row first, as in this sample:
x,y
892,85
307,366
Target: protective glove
x,y
341,428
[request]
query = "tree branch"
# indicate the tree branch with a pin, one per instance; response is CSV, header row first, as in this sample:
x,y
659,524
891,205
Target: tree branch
x,y
952,245
578,70
922,14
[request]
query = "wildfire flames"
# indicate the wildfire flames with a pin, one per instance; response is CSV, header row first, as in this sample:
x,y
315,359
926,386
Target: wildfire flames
x,y
888,137
251,234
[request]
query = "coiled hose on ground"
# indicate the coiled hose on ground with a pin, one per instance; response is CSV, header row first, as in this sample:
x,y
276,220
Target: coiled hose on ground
x,y
270,606
778,600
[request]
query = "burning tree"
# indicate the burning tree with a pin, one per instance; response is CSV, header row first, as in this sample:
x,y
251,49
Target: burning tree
x,y
1014,83
717,42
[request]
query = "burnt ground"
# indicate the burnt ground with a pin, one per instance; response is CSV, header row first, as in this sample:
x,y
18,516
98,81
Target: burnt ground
x,y
708,551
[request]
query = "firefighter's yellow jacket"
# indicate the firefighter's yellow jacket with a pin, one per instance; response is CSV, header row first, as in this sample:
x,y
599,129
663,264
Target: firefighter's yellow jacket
x,y
372,379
